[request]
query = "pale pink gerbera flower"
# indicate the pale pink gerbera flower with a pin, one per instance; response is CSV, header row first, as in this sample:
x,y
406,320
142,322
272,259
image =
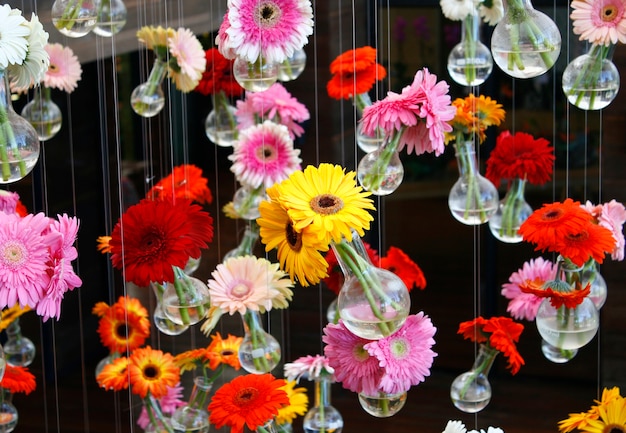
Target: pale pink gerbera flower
x,y
246,283
601,22
171,401
190,58
271,29
64,71
8,201
346,353
264,155
525,305
406,355
612,216
313,367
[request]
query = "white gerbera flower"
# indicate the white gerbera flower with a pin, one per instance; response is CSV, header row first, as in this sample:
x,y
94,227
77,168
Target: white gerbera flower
x,y
14,37
491,15
454,427
37,60
457,10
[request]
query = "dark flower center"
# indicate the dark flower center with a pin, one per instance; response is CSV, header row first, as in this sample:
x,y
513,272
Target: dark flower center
x,y
267,14
326,204
609,13
577,237
227,352
122,330
150,372
294,239
245,396
613,428
552,215
265,153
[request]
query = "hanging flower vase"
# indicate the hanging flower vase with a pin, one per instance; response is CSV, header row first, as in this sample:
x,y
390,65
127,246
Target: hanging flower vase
x,y
18,350
471,391
259,351
160,319
19,144
74,18
525,43
598,290
292,67
257,76
382,405
567,328
104,362
381,172
366,142
470,62
246,201
43,114
373,302
332,312
473,199
8,413
220,125
148,99
248,241
556,355
193,416
186,299
322,417
591,81
111,18
512,212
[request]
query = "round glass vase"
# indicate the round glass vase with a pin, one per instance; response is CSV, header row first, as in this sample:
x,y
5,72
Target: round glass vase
x,y
255,76
193,417
591,81
220,125
567,328
322,417
526,42
148,98
160,319
556,355
471,391
19,143
8,413
186,299
259,351
373,303
74,18
112,16
381,171
366,142
292,67
473,199
470,62
43,113
18,350
246,201
512,211
382,405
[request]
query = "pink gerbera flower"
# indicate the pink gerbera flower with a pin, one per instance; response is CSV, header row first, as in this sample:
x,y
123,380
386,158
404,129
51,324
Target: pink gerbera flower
x,y
346,353
264,155
64,71
601,22
189,55
171,401
8,201
611,215
525,305
223,41
406,355
393,113
271,29
313,367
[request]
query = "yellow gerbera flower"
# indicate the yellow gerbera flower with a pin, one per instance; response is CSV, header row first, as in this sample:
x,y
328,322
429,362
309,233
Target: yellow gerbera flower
x,y
612,418
298,402
154,36
575,421
12,313
326,200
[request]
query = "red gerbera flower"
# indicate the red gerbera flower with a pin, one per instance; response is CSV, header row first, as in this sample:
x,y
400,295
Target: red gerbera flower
x,y
589,241
354,72
558,298
398,262
185,181
218,75
520,156
18,379
334,280
158,235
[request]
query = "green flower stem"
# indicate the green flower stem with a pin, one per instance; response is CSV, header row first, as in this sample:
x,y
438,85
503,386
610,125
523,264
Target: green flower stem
x,y
7,139
221,105
513,205
157,74
200,395
69,16
250,199
590,74
183,286
257,338
469,42
467,169
362,101
486,356
155,414
384,405
374,178
286,65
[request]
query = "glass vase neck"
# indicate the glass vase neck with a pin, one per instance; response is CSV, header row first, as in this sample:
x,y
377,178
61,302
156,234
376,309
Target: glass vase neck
x,y
466,157
351,250
322,391
5,92
512,8
484,359
470,26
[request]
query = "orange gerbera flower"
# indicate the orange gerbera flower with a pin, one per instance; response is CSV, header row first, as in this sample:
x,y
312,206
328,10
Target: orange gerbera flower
x,y
473,116
103,244
398,262
18,379
124,326
114,376
152,371
190,359
558,298
354,72
225,351
250,400
185,181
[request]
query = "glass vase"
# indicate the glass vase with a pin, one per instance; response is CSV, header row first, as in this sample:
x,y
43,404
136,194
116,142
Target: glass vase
x,y
366,142
163,323
186,299
148,98
556,355
591,81
268,427
526,42
19,144
471,391
111,18
248,241
567,328
512,211
257,76
470,62
292,67
473,199
590,274
381,172
18,350
193,417
373,302
43,113
382,405
322,417
246,201
74,18
8,413
220,125
104,362
259,351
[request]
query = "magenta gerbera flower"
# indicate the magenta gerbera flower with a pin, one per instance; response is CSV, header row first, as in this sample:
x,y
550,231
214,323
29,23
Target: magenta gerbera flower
x,y
601,22
264,155
346,353
525,305
271,29
64,71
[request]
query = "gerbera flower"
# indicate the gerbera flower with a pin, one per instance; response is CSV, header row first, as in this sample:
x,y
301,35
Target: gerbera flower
x,y
298,252
171,401
457,10
32,70
520,156
455,427
185,181
612,418
335,277
354,72
64,71
525,305
103,244
406,355
245,283
114,376
611,215
264,155
18,379
398,262
156,236
154,37
590,241
268,29
226,351
576,421
558,298
187,51
8,315
491,12
601,22
354,367
8,201
250,400
327,199
14,41
152,371
124,326
217,76
298,403
473,116
313,367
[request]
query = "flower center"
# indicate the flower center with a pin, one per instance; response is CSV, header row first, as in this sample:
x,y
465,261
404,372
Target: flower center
x,y
614,428
552,215
267,14
577,237
240,290
399,348
53,68
245,396
326,204
294,239
359,352
121,330
609,12
14,253
152,243
150,372
227,352
265,153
